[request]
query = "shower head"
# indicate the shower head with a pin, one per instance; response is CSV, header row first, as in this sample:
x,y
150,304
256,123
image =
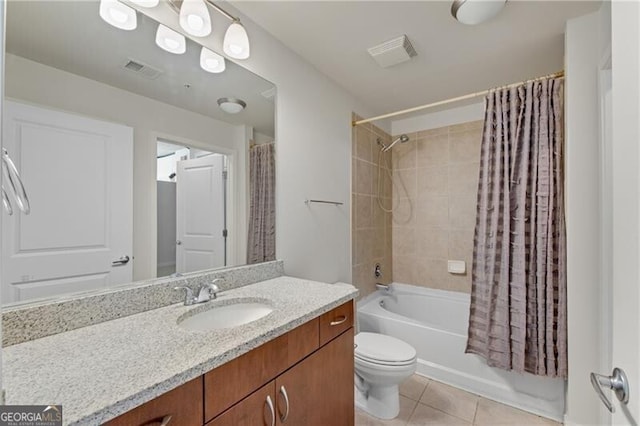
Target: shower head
x,y
401,139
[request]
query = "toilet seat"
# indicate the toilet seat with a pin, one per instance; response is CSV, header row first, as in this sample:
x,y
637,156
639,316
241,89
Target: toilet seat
x,y
380,349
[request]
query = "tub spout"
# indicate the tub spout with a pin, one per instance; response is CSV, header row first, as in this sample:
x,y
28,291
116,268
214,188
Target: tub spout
x,y
384,287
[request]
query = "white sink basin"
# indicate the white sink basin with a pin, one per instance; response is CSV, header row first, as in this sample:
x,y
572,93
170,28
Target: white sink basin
x,y
225,316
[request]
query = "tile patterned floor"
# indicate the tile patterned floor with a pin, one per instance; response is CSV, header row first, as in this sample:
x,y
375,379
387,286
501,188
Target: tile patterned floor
x,y
427,402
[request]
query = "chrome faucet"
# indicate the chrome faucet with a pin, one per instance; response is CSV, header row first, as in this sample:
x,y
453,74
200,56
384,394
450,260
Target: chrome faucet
x,y
207,292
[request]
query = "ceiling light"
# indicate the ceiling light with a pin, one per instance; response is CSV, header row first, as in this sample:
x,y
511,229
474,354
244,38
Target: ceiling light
x,y
117,14
194,18
236,41
146,3
473,12
231,105
211,61
170,40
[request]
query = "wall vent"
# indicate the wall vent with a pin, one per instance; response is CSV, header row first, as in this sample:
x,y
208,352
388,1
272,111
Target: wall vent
x,y
393,52
142,69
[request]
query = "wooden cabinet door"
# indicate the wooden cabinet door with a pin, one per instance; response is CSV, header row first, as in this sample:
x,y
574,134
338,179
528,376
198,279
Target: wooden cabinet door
x,y
258,409
319,390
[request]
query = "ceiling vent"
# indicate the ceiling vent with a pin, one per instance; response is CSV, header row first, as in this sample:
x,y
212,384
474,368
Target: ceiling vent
x,y
393,52
269,93
143,70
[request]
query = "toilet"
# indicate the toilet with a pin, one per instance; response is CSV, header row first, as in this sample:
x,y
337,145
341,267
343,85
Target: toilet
x,y
381,364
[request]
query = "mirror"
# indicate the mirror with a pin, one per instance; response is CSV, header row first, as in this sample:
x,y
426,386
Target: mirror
x,y
132,169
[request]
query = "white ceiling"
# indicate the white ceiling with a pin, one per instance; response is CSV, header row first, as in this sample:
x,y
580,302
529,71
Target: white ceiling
x,y
525,40
70,35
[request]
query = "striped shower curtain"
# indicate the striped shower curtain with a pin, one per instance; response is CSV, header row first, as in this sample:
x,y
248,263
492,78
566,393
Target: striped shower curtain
x,y
519,299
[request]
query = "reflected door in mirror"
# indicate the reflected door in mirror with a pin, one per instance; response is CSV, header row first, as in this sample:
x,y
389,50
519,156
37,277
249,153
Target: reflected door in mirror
x,y
79,173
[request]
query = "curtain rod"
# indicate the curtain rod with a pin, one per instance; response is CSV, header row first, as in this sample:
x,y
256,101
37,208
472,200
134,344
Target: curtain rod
x,y
559,74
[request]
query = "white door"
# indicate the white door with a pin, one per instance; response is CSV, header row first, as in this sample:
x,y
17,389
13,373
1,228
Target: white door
x,y
200,214
621,211
78,175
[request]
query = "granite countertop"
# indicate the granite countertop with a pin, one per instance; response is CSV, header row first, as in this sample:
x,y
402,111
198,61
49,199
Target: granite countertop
x,y
101,371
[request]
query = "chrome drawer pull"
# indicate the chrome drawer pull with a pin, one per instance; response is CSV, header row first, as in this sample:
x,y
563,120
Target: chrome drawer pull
x,y
341,319
159,422
273,412
6,203
166,420
283,392
13,178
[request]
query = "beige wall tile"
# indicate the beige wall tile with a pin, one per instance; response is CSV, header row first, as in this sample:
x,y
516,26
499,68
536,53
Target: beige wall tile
x,y
433,212
461,283
431,273
403,269
464,147
462,211
364,244
461,244
433,181
405,183
404,212
364,177
364,211
463,178
433,132
470,125
433,151
404,155
404,241
364,144
432,243
378,243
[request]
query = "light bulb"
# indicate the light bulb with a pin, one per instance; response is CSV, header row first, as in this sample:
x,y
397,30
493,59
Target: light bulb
x,y
195,18
211,61
236,41
170,40
119,15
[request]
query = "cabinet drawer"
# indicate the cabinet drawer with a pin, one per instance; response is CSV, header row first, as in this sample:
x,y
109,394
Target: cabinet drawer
x,y
335,322
183,404
229,383
256,409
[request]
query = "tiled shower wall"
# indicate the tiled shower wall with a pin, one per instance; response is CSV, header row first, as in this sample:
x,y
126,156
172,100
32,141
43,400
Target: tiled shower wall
x,y
436,173
370,225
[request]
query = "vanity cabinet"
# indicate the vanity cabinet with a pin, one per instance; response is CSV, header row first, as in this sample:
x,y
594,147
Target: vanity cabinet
x,y
302,378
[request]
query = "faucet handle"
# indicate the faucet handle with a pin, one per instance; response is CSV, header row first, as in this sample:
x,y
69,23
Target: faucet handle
x,y
213,288
189,297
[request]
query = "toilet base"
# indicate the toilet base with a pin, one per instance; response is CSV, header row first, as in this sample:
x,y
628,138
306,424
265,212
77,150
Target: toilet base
x,y
382,402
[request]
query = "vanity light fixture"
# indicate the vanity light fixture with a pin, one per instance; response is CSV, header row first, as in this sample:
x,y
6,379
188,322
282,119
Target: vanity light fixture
x,y
474,12
171,41
145,3
119,15
195,18
211,61
236,41
231,105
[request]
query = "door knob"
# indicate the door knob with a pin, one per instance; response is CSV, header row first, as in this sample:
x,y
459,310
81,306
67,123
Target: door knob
x,y
121,261
617,382
178,242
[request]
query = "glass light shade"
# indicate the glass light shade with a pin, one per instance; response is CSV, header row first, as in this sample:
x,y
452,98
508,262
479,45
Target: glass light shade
x,y
231,105
146,3
119,15
195,18
211,61
474,12
236,42
170,40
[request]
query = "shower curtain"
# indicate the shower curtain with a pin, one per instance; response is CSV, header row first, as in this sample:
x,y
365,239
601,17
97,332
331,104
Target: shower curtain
x,y
518,308
261,246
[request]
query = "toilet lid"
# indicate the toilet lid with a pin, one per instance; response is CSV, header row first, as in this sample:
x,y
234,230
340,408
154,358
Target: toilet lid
x,y
383,349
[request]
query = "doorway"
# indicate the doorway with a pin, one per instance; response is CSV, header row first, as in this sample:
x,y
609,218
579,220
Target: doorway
x,y
192,193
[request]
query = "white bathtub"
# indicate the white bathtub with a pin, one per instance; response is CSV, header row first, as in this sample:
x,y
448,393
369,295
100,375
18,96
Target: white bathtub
x,y
435,323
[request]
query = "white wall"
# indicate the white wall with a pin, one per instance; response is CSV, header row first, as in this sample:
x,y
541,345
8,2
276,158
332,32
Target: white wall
x,y
433,120
586,39
43,85
313,153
